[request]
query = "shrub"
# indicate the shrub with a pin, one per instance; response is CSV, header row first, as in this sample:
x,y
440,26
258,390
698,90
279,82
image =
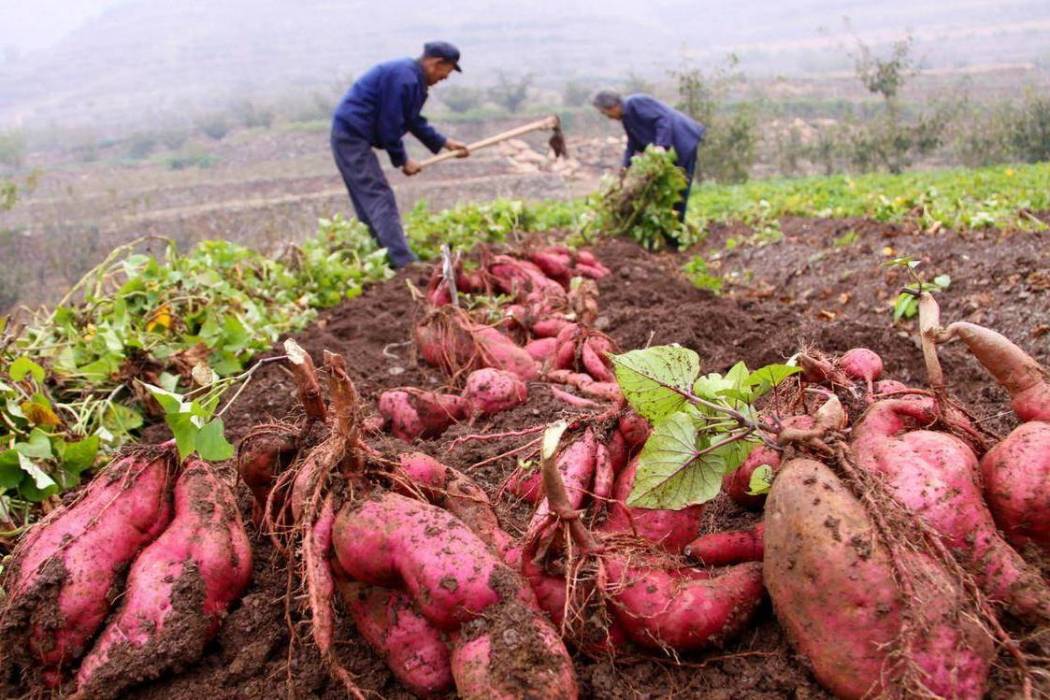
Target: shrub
x,y
214,126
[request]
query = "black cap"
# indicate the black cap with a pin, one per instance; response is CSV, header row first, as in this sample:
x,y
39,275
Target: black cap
x,y
443,50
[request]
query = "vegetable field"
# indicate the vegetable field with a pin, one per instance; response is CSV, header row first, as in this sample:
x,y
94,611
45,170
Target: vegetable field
x,y
784,461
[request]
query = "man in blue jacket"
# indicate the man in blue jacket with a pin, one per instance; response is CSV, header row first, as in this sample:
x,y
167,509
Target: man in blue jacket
x,y
382,106
649,121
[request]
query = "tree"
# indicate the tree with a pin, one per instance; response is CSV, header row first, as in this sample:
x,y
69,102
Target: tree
x,y
461,99
510,93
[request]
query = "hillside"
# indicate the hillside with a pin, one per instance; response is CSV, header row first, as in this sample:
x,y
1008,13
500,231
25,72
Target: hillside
x,y
144,58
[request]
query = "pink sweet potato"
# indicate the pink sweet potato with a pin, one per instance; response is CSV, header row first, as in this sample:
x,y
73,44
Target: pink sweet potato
x,y
834,592
681,609
729,547
178,589
414,413
542,349
513,653
576,464
261,455
935,475
526,483
671,529
635,431
63,576
412,648
550,327
606,391
1013,369
491,390
737,484
554,264
499,351
393,541
862,364
1016,476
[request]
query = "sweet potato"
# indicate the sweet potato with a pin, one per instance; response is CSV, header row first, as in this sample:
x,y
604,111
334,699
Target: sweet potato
x,y
554,264
178,589
459,495
737,483
413,649
393,541
834,592
413,413
576,464
63,575
512,653
635,431
671,529
261,455
861,363
606,391
550,327
526,483
1016,476
500,352
729,547
681,609
935,475
542,349
491,390
1013,369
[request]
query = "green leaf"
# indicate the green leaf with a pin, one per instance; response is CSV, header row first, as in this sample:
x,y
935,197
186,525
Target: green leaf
x,y
185,430
120,419
211,442
23,366
11,473
765,378
654,379
38,447
169,401
80,455
670,474
761,480
40,485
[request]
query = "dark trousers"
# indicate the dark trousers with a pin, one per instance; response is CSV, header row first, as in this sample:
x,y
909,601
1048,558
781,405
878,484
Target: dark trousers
x,y
370,194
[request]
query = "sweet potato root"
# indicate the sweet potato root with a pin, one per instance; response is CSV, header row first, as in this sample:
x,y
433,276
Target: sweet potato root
x,y
671,529
393,541
1017,485
834,591
513,653
178,589
63,576
729,547
491,390
681,609
935,475
737,484
414,413
413,649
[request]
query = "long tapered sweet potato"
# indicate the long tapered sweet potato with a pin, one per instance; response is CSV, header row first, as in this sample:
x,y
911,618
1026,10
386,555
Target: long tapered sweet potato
x,y
393,541
512,653
728,547
671,529
834,591
681,609
935,475
63,577
414,650
178,589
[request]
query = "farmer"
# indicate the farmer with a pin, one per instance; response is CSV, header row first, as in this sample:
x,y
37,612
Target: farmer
x,y
376,112
649,121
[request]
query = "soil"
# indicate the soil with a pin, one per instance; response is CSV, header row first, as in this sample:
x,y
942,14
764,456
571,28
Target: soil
x,y
803,290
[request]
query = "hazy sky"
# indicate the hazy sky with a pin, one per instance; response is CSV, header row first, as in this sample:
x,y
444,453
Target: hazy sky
x,y
37,24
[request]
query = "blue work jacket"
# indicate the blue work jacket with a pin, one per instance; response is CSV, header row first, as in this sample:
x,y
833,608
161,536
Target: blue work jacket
x,y
384,104
648,121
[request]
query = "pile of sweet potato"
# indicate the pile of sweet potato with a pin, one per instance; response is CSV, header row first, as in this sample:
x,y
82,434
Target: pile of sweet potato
x,y
69,606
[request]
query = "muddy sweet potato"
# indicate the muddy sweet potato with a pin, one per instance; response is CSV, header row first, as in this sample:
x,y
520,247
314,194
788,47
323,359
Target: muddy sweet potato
x,y
413,649
178,590
576,464
862,364
414,413
834,592
491,390
935,475
542,349
512,653
671,529
63,576
1016,476
681,609
393,541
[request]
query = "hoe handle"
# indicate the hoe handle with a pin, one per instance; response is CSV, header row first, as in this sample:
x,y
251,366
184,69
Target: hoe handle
x,y
550,122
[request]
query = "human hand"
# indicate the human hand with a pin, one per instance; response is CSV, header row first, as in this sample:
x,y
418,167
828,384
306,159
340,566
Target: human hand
x,y
458,146
410,168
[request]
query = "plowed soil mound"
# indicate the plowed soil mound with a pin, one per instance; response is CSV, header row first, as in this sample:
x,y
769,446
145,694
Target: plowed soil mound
x,y
802,290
